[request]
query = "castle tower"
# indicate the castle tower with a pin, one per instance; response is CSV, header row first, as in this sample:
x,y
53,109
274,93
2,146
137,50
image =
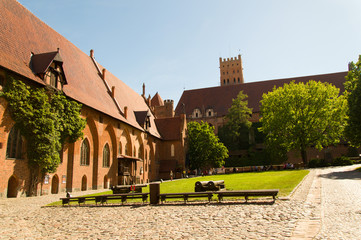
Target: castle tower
x,y
231,71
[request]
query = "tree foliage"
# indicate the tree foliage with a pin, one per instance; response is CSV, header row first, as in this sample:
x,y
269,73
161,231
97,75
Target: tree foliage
x,y
235,133
46,119
204,148
298,116
353,95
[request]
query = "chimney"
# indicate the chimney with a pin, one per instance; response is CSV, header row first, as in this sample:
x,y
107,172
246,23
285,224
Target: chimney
x,y
349,66
103,75
143,94
91,53
126,112
113,91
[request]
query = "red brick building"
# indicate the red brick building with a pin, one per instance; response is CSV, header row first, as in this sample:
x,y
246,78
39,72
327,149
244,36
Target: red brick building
x,y
211,104
127,137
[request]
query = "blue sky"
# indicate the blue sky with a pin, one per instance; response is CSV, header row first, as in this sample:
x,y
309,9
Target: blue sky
x,y
173,46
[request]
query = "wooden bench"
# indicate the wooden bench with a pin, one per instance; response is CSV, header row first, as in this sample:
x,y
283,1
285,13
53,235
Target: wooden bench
x,y
127,188
77,199
248,193
186,196
104,198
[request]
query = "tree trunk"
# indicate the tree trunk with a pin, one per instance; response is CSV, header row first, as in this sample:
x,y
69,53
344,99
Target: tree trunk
x,y
34,180
304,156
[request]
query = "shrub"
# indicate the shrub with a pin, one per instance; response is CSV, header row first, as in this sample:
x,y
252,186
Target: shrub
x,y
316,162
342,161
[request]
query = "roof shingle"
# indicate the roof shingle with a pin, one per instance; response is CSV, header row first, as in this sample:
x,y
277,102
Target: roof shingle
x,y
22,33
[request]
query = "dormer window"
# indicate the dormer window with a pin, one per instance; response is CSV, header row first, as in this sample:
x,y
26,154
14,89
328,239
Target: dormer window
x,y
210,112
196,113
49,67
143,119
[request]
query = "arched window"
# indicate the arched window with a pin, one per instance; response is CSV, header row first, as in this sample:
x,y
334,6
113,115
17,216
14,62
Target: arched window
x,y
120,148
239,80
140,153
126,151
209,112
85,153
106,156
172,150
15,144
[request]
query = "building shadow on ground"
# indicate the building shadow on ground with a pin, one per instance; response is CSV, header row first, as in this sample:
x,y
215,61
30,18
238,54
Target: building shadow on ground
x,y
351,174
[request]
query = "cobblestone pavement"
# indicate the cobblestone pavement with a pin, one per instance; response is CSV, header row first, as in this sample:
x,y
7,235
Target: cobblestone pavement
x,y
24,218
341,203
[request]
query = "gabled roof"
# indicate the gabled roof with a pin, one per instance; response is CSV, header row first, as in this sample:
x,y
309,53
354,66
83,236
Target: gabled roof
x,y
220,98
23,33
40,63
141,116
157,101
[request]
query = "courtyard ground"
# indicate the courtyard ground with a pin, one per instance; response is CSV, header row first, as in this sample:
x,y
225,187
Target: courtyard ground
x,y
326,205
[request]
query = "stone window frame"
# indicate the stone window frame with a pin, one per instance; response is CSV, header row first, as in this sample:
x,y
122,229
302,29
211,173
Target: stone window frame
x,y
106,156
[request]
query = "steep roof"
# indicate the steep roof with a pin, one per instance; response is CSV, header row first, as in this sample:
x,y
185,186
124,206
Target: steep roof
x,y
22,33
220,98
170,128
157,101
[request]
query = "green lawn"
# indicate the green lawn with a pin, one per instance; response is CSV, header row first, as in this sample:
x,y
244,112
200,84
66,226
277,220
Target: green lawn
x,y
285,181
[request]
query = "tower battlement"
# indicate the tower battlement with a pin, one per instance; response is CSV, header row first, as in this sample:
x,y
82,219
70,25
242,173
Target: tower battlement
x,y
231,70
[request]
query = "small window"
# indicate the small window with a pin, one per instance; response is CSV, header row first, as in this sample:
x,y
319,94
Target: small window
x,y
140,153
100,119
127,152
224,81
85,153
227,81
196,113
15,144
106,156
53,79
234,80
239,80
120,148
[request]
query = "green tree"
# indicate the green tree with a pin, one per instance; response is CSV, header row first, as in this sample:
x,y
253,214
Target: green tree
x,y
204,149
46,119
298,116
353,95
235,133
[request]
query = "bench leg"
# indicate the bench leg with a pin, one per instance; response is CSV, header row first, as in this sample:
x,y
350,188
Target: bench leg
x,y
220,197
185,198
124,198
246,198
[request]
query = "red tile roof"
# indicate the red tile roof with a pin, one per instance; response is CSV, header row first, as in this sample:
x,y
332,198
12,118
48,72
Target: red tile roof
x,y
220,98
170,128
22,33
157,101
